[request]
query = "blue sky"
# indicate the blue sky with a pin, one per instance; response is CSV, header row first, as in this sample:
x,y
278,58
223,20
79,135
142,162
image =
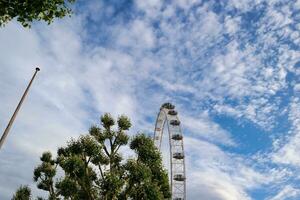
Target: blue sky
x,y
232,68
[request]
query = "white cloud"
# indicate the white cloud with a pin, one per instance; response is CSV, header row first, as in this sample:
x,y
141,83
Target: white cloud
x,y
286,193
139,34
232,24
297,87
287,153
244,6
203,127
213,174
151,8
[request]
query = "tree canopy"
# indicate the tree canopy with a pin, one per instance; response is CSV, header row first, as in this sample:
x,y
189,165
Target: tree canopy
x,y
26,11
93,167
23,193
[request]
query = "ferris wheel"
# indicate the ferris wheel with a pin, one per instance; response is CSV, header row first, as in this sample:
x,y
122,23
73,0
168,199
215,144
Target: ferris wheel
x,y
168,116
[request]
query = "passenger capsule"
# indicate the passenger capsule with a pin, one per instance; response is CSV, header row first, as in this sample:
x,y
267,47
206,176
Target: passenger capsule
x,y
172,112
168,106
179,177
175,122
177,137
178,155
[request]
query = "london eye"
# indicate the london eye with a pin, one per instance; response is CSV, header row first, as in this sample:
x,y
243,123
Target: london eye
x,y
168,117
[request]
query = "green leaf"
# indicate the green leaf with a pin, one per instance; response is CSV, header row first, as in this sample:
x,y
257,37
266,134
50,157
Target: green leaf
x,y
25,11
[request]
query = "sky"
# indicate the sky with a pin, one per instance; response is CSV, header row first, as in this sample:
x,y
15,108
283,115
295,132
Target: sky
x,y
231,68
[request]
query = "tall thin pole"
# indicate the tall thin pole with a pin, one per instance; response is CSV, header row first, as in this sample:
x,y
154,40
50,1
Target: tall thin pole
x,y
12,119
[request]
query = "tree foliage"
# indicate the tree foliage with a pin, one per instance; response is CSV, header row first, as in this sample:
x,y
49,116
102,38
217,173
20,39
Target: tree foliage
x,y
23,193
26,11
93,167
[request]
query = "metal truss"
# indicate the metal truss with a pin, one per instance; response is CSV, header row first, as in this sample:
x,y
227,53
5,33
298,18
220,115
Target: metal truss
x,y
168,116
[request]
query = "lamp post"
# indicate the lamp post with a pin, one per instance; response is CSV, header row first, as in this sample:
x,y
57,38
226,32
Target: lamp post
x,y
12,119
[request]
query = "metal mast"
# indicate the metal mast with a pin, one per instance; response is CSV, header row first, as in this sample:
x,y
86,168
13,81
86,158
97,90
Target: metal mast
x,y
12,119
168,115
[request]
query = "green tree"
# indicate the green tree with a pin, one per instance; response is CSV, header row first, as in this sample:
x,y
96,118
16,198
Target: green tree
x,y
26,11
149,162
44,174
93,167
23,193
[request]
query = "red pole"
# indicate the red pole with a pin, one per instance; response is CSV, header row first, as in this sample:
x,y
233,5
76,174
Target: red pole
x,y
12,119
